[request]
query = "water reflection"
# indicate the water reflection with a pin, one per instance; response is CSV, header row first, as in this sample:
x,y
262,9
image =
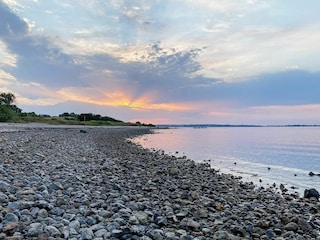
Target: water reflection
x,y
272,154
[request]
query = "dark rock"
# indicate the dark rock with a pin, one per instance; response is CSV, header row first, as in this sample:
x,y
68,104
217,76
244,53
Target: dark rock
x,y
277,231
186,237
238,231
311,174
270,234
309,193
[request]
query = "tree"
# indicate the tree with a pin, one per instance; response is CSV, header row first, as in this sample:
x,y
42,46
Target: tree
x,y
7,109
6,113
7,99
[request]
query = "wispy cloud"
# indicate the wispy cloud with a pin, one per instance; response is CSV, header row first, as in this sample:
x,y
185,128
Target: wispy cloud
x,y
218,60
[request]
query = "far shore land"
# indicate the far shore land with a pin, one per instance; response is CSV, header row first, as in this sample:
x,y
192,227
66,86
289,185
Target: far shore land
x,y
80,182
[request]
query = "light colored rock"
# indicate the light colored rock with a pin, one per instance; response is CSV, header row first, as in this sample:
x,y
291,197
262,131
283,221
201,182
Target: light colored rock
x,y
141,216
291,226
173,171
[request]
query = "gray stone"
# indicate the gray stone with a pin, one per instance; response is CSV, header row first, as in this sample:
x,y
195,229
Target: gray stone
x,y
10,226
53,231
4,186
173,171
87,234
13,205
35,229
57,211
11,217
56,186
116,233
133,220
222,235
141,216
42,214
193,224
3,198
100,233
292,226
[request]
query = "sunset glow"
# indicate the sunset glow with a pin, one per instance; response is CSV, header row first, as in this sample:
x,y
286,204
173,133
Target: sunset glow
x,y
252,62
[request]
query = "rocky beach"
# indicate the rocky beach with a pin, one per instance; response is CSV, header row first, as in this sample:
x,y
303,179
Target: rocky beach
x,y
94,183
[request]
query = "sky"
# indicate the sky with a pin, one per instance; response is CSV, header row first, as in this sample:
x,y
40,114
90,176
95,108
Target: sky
x,y
164,61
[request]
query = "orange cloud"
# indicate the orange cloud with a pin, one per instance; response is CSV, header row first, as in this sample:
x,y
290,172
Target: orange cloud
x,y
120,98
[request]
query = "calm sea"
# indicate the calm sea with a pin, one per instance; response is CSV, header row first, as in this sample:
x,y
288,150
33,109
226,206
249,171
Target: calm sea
x,y
263,155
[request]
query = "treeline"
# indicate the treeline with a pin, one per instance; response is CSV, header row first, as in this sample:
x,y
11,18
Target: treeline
x,y
87,117
9,112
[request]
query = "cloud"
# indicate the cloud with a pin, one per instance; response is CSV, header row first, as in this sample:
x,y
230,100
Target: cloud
x,y
220,6
216,60
37,58
283,88
7,59
11,27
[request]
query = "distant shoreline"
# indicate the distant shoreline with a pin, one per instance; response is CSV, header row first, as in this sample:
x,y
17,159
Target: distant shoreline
x,y
46,125
231,125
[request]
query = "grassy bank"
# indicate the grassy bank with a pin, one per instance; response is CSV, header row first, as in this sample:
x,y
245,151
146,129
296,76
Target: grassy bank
x,y
71,121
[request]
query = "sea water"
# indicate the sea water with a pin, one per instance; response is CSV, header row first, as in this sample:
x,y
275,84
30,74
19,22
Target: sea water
x,y
263,155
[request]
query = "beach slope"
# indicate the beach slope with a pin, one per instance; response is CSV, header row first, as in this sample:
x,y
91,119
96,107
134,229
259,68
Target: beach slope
x,y
94,183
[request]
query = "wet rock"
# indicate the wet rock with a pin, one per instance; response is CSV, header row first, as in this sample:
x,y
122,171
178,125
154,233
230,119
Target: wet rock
x,y
311,193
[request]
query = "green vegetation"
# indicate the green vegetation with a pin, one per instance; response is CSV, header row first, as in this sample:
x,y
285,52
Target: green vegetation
x,y
11,113
8,111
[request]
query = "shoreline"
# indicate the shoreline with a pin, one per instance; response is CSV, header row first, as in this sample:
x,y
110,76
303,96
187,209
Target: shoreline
x,y
64,183
257,165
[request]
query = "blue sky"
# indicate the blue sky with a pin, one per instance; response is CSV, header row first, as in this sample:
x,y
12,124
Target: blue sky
x,y
168,61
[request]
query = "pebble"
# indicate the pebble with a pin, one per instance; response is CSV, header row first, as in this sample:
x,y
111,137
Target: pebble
x,y
60,183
